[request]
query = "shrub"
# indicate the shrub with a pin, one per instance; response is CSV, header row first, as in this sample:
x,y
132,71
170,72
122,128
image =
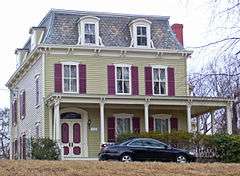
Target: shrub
x,y
45,149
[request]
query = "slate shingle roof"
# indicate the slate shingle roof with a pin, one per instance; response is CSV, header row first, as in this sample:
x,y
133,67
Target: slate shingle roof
x,y
114,29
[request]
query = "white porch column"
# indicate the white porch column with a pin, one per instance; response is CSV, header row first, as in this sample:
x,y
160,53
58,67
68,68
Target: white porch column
x,y
212,122
50,116
189,123
146,105
57,121
229,119
198,124
102,138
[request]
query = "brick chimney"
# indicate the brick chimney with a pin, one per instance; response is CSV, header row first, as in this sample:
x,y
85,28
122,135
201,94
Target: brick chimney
x,y
178,30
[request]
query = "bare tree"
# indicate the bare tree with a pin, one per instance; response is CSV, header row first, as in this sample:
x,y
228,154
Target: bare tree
x,y
4,133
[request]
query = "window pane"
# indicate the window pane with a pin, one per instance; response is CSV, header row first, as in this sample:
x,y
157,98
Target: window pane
x,y
92,38
156,74
126,72
158,125
119,72
126,86
162,74
73,85
126,125
156,87
66,71
142,41
161,125
163,87
138,30
144,31
66,85
137,143
119,87
73,71
119,126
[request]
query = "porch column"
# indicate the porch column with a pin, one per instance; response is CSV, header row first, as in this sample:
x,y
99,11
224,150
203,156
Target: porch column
x,y
229,119
102,138
50,117
189,124
198,124
146,105
212,122
56,121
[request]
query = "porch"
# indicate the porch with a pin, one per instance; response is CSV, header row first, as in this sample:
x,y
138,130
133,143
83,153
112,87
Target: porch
x,y
143,112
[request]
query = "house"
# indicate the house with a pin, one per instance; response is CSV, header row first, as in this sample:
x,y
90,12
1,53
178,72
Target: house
x,y
83,78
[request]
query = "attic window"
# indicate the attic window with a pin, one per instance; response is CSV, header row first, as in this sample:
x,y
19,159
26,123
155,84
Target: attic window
x,y
88,30
140,30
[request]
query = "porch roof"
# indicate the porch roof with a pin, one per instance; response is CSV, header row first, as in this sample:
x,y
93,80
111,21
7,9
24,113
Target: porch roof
x,y
199,105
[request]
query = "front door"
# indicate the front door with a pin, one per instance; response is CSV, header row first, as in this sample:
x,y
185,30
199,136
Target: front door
x,y
71,138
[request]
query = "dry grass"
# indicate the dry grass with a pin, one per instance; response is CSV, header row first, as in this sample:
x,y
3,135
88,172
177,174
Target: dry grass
x,y
95,168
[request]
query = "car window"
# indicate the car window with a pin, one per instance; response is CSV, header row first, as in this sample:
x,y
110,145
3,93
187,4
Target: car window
x,y
152,143
136,143
126,142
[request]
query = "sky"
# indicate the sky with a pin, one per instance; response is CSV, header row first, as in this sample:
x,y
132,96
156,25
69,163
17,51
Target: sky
x,y
17,17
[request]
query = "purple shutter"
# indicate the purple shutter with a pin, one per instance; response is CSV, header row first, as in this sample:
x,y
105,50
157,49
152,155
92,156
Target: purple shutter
x,y
136,124
82,78
65,133
148,81
174,123
24,103
58,78
76,133
135,86
151,124
111,79
111,129
171,81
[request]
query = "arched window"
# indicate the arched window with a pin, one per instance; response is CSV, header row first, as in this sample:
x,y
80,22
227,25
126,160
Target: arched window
x,y
70,115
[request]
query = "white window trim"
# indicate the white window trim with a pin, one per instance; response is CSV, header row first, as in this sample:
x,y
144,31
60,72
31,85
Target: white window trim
x,y
21,93
37,124
164,117
140,22
123,116
81,30
37,76
166,75
130,78
70,63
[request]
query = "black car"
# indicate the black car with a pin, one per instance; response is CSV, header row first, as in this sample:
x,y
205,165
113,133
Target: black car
x,y
145,149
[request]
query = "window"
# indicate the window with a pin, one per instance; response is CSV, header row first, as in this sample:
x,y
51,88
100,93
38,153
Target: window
x,y
37,130
123,80
159,81
141,36
123,123
153,143
162,123
89,33
22,104
70,78
37,90
136,143
140,30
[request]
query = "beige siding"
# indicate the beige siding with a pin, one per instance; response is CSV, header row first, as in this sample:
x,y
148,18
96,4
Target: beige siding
x,y
97,71
33,113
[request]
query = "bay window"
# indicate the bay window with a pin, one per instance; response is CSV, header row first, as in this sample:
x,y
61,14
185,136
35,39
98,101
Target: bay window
x,y
159,81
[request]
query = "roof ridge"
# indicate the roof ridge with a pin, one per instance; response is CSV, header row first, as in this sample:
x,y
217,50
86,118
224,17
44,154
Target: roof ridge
x,y
106,13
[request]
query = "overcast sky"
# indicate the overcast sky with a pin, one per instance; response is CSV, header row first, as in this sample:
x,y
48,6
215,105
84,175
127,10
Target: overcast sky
x,y
17,16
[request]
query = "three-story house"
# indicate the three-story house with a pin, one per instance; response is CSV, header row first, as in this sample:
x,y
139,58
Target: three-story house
x,y
83,78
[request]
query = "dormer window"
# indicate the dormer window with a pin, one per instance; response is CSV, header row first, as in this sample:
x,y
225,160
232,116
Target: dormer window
x,y
88,30
89,34
140,30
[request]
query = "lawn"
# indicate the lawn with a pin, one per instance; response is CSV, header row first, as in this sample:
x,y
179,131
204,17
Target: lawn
x,y
96,168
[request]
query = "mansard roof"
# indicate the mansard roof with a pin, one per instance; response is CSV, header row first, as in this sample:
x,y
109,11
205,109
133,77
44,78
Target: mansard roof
x,y
62,29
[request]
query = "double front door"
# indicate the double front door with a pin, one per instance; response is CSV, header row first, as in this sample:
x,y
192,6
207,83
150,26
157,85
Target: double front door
x,y
71,138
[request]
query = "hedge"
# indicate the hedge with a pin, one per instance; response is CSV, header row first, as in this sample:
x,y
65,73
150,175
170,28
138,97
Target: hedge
x,y
227,147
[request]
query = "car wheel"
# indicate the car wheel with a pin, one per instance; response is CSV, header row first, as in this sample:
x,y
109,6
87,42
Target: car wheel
x,y
181,159
126,158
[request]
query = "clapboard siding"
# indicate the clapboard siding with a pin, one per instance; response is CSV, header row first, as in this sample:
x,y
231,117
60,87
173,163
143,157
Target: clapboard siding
x,y
33,113
97,72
